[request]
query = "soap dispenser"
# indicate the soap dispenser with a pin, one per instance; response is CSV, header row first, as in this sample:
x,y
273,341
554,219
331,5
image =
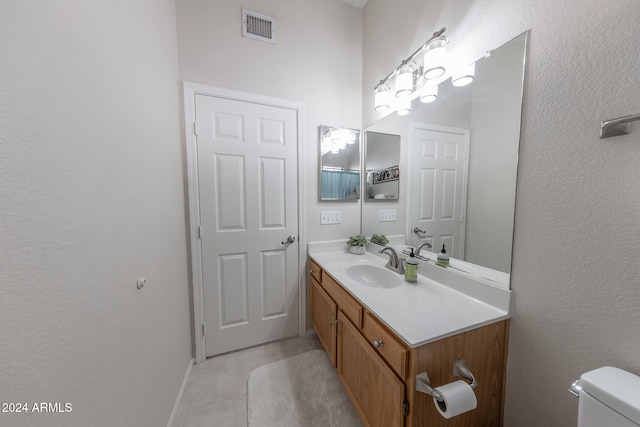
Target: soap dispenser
x,y
411,268
443,258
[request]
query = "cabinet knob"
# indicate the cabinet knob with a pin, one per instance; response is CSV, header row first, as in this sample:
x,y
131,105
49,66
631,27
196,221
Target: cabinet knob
x,y
378,343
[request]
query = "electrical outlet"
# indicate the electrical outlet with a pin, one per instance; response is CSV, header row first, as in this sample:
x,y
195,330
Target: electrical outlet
x,y
330,217
387,215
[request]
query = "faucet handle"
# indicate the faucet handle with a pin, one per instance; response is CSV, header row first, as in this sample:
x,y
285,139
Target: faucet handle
x,y
393,264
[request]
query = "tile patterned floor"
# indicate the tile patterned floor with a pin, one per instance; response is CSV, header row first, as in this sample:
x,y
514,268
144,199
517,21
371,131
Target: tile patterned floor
x,y
216,391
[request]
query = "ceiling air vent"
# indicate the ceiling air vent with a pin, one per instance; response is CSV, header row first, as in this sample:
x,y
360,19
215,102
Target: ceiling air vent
x,y
258,26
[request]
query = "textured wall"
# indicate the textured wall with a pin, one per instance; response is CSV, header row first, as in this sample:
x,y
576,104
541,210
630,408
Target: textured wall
x,y
577,227
91,197
317,60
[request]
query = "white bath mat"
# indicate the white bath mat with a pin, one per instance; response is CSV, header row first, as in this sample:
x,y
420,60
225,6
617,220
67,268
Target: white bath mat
x,y
301,391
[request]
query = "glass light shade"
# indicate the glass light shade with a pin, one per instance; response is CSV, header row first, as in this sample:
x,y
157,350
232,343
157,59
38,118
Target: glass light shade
x,y
430,95
434,58
404,107
381,97
465,77
339,134
404,79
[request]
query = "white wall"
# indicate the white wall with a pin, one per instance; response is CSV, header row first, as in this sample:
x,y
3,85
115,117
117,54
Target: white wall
x,y
91,198
577,227
317,60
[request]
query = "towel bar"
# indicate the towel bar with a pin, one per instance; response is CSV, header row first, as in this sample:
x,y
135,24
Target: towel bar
x,y
619,126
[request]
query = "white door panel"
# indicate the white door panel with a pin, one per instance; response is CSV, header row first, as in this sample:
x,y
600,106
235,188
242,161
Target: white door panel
x,y
439,170
247,178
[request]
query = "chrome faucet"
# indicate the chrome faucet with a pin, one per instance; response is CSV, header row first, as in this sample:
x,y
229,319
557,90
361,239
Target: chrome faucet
x,y
428,245
393,264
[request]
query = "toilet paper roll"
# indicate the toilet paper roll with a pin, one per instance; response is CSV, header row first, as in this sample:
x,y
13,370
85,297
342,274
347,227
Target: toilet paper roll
x,y
458,398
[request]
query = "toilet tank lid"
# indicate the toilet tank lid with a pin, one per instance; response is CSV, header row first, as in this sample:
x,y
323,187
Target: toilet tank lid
x,y
616,388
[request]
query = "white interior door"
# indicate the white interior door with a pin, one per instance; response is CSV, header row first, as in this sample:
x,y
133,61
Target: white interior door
x,y
247,183
439,172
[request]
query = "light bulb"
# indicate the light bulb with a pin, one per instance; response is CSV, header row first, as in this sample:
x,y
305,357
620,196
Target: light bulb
x,y
381,97
404,107
430,95
434,58
404,79
465,77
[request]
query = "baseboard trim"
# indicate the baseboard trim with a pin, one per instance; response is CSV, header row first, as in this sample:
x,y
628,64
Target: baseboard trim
x,y
176,405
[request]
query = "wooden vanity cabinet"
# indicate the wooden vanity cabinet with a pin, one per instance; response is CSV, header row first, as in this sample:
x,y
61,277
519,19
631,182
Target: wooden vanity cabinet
x,y
392,350
376,391
324,313
378,369
373,385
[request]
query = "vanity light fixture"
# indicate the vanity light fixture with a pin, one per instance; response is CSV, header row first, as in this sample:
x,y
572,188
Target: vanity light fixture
x,y
404,107
381,96
333,139
404,79
343,137
429,95
464,77
434,57
408,77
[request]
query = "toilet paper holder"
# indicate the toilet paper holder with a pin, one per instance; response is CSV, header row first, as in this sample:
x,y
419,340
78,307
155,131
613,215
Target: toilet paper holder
x,y
460,369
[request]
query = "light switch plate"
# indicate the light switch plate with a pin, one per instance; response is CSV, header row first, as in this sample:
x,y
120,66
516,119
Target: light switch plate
x,y
387,215
330,217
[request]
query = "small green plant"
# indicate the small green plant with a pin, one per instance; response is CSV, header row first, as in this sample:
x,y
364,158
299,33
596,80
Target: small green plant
x,y
357,240
379,239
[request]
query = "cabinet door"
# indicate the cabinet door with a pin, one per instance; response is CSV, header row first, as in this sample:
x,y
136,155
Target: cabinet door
x,y
386,344
323,317
375,390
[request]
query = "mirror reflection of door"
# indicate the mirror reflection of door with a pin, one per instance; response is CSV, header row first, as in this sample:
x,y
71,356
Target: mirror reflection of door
x,y
439,162
339,163
382,158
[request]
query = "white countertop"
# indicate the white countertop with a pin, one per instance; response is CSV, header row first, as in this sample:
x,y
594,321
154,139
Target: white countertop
x,y
420,312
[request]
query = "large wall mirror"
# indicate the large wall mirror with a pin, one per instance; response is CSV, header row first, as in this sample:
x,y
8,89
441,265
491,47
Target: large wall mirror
x,y
459,159
339,163
381,166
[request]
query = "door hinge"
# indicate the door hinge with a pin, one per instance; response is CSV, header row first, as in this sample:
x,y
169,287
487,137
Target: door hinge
x,y
405,407
204,329
195,128
200,232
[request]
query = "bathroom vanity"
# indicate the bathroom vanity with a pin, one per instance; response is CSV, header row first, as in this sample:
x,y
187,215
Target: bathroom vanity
x,y
381,335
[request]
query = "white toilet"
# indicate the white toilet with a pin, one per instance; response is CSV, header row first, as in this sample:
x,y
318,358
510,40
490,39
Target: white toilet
x,y
609,397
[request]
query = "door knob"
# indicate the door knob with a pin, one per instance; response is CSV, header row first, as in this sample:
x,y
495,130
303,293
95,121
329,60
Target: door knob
x,y
417,230
378,343
290,239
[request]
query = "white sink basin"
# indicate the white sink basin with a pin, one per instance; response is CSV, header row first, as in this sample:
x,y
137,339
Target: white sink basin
x,y
374,276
